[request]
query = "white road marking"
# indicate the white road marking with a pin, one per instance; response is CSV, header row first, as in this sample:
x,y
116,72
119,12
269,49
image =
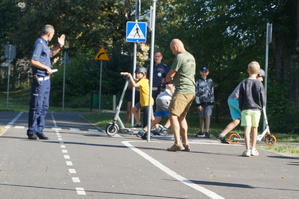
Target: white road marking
x,y
69,163
11,123
93,130
56,128
75,179
172,173
80,191
74,129
19,127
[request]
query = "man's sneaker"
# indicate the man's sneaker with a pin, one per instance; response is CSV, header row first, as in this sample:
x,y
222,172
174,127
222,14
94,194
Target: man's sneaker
x,y
222,140
199,134
32,136
207,135
254,152
138,125
42,136
247,153
176,147
187,147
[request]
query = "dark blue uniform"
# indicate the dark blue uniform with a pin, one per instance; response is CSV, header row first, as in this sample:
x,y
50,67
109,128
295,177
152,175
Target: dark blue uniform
x,y
159,72
39,102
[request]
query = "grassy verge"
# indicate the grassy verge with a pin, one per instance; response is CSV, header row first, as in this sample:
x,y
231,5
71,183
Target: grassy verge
x,y
287,149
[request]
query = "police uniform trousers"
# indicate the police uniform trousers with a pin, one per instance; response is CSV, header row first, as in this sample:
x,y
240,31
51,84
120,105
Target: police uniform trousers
x,y
39,105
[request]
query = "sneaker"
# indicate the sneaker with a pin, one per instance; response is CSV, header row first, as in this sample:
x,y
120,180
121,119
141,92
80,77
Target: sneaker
x,y
163,130
222,140
155,131
138,125
254,152
247,153
32,136
42,136
176,147
207,135
199,134
141,133
187,147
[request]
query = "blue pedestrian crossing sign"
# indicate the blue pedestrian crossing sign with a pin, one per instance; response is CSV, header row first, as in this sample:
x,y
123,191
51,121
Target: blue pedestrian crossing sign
x,y
136,31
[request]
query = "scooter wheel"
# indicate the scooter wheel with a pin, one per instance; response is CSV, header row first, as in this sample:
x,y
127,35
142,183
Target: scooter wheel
x,y
270,140
112,129
232,138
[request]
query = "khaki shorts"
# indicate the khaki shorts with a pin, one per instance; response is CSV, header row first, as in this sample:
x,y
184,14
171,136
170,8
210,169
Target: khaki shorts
x,y
180,104
250,118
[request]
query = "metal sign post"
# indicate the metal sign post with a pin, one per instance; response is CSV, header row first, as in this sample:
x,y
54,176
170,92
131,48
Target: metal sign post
x,y
102,56
100,86
66,61
268,41
10,54
150,112
137,14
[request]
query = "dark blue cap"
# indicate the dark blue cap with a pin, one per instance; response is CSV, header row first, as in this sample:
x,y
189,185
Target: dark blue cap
x,y
204,69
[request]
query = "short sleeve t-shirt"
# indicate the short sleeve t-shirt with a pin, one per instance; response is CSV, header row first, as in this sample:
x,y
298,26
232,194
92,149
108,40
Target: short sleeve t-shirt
x,y
144,92
185,67
42,53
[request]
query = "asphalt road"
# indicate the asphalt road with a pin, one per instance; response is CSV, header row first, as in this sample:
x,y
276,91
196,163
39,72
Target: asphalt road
x,y
81,161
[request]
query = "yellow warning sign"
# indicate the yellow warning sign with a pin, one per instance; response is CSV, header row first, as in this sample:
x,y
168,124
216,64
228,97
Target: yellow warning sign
x,y
102,55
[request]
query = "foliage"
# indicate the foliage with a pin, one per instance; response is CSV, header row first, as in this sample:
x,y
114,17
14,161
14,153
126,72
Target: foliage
x,y
282,117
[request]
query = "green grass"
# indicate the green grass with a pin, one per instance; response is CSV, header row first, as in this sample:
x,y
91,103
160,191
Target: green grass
x,y
19,102
289,150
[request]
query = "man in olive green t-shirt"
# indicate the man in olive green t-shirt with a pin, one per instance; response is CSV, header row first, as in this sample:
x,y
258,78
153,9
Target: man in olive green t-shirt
x,y
182,74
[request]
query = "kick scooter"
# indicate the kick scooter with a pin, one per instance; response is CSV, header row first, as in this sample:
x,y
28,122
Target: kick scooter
x,y
235,138
113,128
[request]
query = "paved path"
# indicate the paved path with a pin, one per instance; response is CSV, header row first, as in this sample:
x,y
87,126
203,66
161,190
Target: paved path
x,y
81,161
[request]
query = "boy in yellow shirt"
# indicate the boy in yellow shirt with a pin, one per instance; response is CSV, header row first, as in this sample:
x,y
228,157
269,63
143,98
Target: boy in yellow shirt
x,y
143,84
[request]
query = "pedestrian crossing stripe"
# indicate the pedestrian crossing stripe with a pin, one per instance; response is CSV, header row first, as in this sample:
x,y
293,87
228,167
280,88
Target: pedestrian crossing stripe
x,y
136,32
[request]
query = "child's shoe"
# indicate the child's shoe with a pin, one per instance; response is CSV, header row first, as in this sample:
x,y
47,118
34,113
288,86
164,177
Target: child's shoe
x,y
207,135
141,133
163,130
222,140
138,125
199,134
254,152
247,153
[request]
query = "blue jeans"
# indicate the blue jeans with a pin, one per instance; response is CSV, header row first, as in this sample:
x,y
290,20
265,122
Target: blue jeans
x,y
39,105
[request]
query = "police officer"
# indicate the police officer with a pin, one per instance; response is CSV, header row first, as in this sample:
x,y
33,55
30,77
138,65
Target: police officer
x,y
159,72
40,87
